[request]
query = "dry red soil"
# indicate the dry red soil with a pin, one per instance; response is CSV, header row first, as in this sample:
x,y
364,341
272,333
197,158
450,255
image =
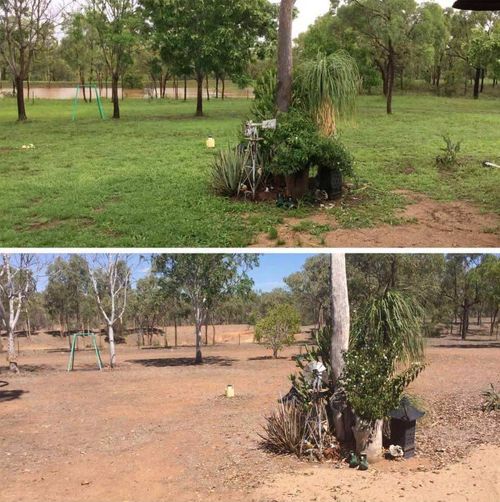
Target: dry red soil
x,y
158,428
433,224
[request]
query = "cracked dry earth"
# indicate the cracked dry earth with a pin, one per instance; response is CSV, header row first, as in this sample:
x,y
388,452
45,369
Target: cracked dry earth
x,y
433,224
158,429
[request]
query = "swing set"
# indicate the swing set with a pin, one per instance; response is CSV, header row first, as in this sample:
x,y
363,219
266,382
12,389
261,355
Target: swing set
x,y
97,98
74,342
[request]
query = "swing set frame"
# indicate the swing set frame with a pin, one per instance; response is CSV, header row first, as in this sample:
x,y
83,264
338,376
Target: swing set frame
x,y
97,98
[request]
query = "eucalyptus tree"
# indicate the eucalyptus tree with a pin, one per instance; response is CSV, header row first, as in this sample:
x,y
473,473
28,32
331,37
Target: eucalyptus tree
x,y
117,25
67,292
24,27
310,289
388,26
198,38
110,276
204,280
17,283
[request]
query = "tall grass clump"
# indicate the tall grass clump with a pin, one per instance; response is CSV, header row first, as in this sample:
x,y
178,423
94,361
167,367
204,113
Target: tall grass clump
x,y
227,171
327,87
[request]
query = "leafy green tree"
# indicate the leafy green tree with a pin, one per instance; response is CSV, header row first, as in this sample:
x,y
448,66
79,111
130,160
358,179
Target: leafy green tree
x,y
117,24
210,36
203,280
388,26
148,304
24,27
278,328
488,274
310,288
67,291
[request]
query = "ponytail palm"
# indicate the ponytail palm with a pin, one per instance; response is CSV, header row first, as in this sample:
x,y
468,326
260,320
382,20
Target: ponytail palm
x,y
327,87
385,355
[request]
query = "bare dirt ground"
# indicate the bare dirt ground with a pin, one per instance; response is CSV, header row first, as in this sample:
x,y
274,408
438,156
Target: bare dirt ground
x,y
158,428
434,224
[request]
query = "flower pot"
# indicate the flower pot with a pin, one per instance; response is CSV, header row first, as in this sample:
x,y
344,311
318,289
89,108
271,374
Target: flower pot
x,y
368,438
297,184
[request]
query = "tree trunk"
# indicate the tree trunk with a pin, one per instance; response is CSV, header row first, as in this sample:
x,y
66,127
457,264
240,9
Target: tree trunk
x,y
493,321
216,86
483,74
285,60
223,88
465,322
112,349
199,100
114,95
21,107
199,324
208,87
477,79
11,351
175,332
340,335
185,89
213,332
390,79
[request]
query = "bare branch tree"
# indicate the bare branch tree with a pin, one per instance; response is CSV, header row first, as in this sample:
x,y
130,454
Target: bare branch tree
x,y
17,282
110,277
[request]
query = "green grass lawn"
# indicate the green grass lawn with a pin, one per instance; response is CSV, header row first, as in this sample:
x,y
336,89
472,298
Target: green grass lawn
x,y
143,181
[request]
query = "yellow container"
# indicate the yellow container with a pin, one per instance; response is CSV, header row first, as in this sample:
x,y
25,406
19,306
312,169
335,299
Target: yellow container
x,y
229,391
210,142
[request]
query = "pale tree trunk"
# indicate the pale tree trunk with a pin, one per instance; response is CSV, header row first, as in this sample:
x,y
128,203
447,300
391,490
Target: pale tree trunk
x,y
112,348
285,60
11,351
340,335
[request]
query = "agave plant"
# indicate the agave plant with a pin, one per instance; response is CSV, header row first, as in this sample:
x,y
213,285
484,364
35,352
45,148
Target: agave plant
x,y
227,171
327,87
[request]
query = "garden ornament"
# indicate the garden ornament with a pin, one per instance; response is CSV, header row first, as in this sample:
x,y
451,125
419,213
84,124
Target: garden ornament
x,y
353,460
395,451
314,373
210,142
363,462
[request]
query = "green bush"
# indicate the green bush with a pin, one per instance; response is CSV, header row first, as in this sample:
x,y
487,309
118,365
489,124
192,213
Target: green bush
x,y
227,171
297,145
333,155
278,328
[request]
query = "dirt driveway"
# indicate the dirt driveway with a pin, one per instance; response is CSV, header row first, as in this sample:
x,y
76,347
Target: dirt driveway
x,y
158,429
431,224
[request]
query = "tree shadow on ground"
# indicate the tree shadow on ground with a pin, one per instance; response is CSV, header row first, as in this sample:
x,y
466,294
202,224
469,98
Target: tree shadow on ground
x,y
182,361
267,358
9,395
29,368
487,345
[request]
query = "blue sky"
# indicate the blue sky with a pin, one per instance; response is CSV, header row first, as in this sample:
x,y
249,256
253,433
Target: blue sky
x,y
267,276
